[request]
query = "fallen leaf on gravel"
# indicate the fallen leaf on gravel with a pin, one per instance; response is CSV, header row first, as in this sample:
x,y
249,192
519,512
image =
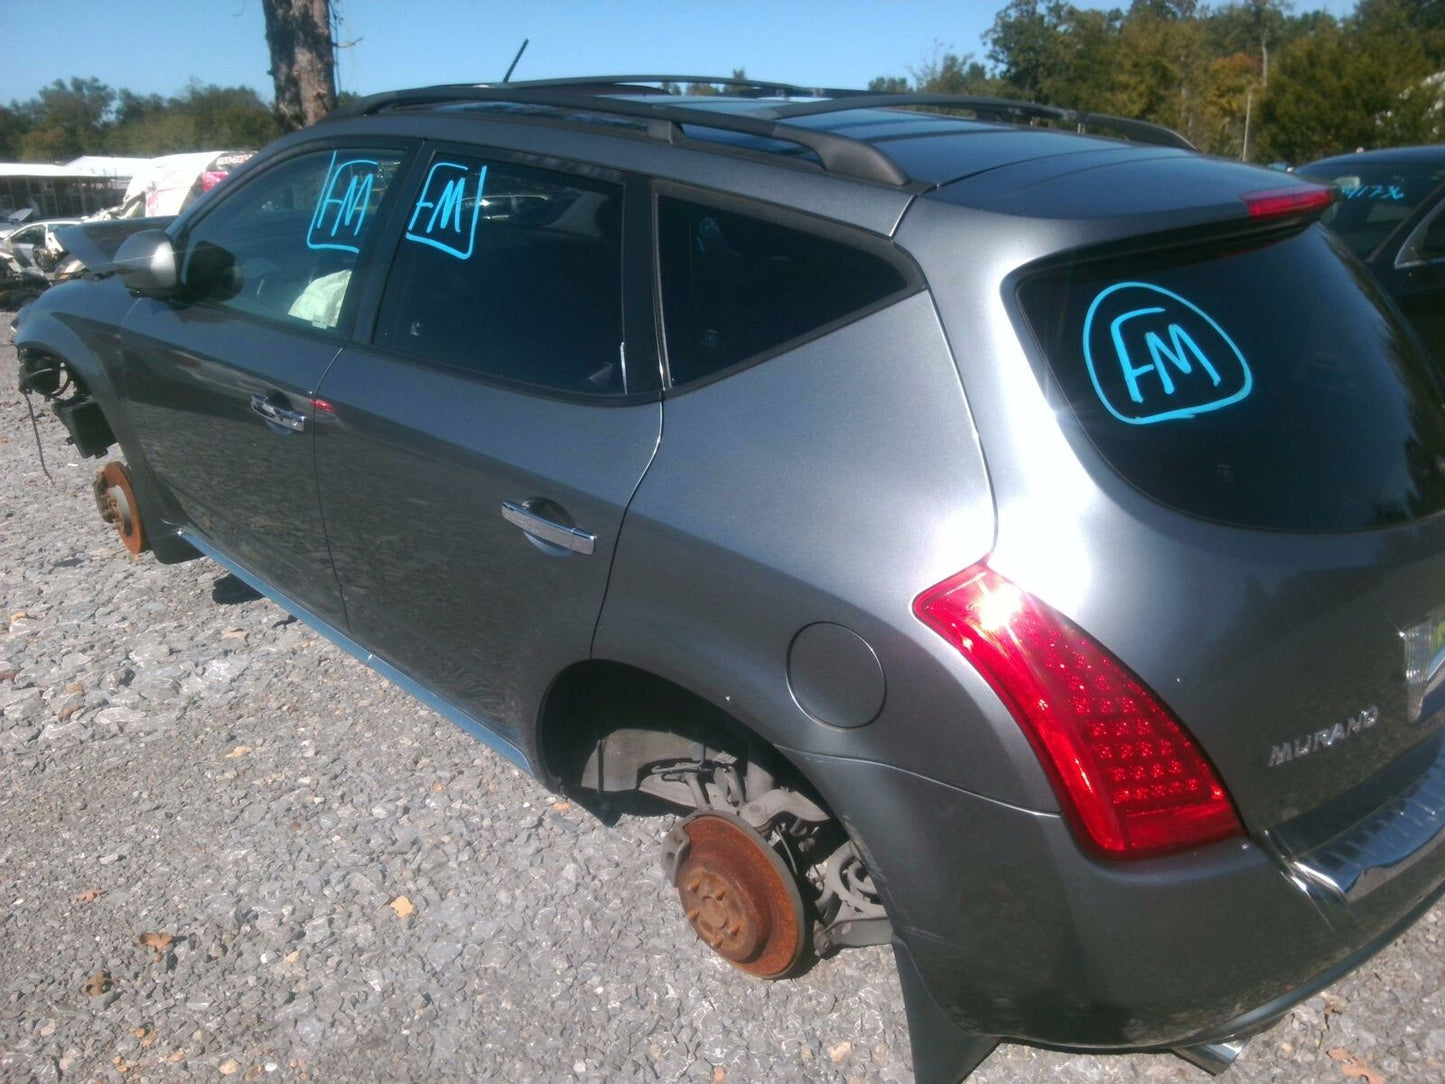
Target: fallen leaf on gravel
x,y
179,1055
561,807
90,895
234,634
159,943
719,1075
19,615
70,709
75,687
97,984
229,1066
1354,1068
837,1053
239,751
403,907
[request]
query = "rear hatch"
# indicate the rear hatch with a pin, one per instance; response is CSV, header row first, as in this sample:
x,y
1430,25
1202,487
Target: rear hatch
x,y
1209,348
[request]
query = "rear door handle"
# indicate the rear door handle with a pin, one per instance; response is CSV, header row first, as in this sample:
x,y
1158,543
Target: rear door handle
x,y
287,419
558,534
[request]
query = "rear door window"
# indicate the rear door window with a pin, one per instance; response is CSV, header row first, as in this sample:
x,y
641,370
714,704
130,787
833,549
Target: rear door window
x,y
1265,386
510,272
736,286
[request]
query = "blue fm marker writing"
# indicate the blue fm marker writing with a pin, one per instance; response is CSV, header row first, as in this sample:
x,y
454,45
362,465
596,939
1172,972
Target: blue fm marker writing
x,y
341,213
440,216
1181,377
1175,353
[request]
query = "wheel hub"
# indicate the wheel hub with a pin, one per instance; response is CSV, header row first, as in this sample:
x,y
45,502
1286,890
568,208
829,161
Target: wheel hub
x,y
740,897
116,500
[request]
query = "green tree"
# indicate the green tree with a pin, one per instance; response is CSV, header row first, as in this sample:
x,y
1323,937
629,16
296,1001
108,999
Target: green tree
x,y
1024,47
13,127
65,120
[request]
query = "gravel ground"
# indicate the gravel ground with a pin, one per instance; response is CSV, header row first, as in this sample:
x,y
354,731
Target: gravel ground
x,y
228,849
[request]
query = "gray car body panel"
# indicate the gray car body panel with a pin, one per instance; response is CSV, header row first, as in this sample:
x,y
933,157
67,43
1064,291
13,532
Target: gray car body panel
x,y
771,507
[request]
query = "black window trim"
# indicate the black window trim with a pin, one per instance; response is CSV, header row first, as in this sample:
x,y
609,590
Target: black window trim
x,y
883,248
181,229
369,306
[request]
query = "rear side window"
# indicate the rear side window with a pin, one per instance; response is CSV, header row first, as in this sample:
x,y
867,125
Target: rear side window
x,y
511,272
735,286
1264,387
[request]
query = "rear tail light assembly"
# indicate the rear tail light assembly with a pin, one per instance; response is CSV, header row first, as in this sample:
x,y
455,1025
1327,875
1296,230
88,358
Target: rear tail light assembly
x,y
1132,782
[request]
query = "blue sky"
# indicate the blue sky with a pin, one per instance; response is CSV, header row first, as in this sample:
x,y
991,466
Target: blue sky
x,y
157,46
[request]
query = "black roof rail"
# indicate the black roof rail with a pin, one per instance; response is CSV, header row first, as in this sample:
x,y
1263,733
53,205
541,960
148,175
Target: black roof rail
x,y
763,87
582,84
1004,109
839,154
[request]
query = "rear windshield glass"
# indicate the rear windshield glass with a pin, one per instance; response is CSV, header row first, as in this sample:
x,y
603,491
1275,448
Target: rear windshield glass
x,y
1264,387
1375,197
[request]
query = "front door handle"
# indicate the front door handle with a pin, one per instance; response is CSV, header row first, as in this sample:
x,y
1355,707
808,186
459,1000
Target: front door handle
x,y
287,419
540,527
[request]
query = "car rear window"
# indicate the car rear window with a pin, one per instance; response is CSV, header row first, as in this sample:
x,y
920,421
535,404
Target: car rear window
x,y
1263,387
1375,197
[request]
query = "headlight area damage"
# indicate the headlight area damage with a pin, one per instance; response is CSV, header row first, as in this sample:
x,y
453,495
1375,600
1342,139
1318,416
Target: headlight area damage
x,y
69,400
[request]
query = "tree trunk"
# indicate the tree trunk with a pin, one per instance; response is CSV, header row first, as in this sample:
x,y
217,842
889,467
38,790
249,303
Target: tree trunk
x,y
298,33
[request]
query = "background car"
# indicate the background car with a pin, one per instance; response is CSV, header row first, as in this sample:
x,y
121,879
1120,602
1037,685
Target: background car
x,y
1391,214
36,243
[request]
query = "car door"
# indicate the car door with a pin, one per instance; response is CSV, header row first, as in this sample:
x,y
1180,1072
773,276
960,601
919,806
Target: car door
x,y
476,458
220,375
24,242
1412,271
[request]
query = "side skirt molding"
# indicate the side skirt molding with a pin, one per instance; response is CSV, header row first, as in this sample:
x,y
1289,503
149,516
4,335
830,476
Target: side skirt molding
x,y
438,704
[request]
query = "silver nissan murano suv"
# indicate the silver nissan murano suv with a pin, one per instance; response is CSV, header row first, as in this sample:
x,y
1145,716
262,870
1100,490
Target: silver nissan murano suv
x,y
1001,532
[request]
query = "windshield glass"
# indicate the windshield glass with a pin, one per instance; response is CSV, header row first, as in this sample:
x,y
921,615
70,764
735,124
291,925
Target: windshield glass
x,y
1266,386
1375,197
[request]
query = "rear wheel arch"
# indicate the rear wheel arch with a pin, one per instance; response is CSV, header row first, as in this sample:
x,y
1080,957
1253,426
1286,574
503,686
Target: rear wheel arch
x,y
618,738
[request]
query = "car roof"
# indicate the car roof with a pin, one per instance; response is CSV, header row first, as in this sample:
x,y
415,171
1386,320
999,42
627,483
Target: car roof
x,y
1429,154
883,138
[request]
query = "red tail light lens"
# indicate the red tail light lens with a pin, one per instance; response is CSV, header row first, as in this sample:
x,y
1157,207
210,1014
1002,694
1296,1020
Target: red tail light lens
x,y
1296,199
1129,777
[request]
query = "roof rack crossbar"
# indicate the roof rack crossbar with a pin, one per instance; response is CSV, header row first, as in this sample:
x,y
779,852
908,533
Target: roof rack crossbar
x,y
839,154
1005,109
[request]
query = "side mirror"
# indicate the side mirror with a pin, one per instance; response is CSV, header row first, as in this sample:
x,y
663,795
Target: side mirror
x,y
146,262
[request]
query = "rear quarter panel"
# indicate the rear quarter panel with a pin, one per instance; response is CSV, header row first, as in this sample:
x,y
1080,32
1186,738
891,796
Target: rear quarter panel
x,y
832,483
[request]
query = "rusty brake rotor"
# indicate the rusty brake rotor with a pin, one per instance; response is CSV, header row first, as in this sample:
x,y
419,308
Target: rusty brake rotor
x,y
115,498
740,896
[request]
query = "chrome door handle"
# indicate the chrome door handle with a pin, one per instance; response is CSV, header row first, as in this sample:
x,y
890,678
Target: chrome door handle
x,y
287,419
571,538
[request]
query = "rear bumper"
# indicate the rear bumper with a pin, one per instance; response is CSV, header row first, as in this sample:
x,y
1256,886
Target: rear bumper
x,y
1016,933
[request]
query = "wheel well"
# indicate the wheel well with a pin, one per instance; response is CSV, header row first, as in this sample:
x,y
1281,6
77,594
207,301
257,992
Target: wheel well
x,y
60,384
593,701
615,737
